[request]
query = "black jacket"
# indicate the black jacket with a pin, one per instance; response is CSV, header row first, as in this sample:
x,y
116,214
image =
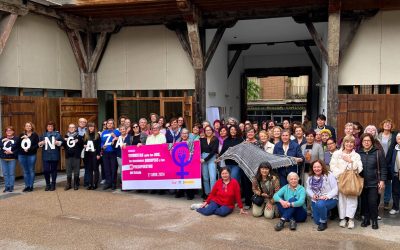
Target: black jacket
x,y
370,167
76,150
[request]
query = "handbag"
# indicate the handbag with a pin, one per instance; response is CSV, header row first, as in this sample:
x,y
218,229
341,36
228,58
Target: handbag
x,y
350,182
258,199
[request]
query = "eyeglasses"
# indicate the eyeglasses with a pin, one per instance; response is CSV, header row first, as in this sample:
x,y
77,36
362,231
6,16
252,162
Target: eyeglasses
x,y
330,143
135,126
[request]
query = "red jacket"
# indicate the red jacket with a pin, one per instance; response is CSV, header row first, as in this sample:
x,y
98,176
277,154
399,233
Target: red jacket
x,y
226,196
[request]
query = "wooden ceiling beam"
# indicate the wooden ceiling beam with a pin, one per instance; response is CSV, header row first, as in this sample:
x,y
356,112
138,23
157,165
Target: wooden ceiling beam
x,y
213,46
6,25
318,40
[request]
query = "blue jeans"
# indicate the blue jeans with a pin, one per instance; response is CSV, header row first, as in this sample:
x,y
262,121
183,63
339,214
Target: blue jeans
x,y
28,165
209,173
387,195
214,208
321,208
299,214
9,173
235,171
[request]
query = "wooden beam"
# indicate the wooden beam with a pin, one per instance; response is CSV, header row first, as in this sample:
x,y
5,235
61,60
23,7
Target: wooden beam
x,y
14,9
333,61
232,63
6,25
195,45
183,39
98,51
200,94
350,37
318,40
75,40
313,60
213,46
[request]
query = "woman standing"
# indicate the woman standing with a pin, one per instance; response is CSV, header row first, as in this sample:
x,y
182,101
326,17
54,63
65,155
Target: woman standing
x,y
266,185
195,135
50,142
109,153
387,139
8,156
331,148
374,173
288,148
224,195
223,134
323,191
186,138
209,150
234,138
276,135
73,145
126,141
348,131
91,144
346,158
395,168
312,151
27,149
135,135
299,136
264,140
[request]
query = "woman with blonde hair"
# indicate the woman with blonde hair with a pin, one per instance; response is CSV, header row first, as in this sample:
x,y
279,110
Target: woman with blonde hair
x,y
264,139
343,159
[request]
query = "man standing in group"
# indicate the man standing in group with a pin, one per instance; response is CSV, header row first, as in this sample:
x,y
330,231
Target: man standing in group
x,y
174,132
321,124
82,122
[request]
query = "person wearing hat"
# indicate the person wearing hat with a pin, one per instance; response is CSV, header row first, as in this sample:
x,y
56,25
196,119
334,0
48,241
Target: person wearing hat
x,y
325,135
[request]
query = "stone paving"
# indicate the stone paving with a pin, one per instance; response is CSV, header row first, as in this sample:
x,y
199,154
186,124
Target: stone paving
x,y
129,220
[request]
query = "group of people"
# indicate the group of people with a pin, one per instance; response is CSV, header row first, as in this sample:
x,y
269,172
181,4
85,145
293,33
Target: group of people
x,y
290,193
313,185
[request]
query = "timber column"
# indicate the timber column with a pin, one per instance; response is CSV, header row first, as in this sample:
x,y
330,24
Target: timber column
x,y
333,61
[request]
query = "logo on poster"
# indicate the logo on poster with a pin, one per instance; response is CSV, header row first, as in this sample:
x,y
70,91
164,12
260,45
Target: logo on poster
x,y
181,157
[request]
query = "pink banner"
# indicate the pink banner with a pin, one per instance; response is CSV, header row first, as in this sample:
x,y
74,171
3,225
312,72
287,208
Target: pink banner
x,y
157,167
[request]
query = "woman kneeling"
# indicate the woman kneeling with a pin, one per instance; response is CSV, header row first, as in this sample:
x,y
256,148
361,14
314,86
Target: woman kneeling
x,y
265,185
323,191
221,200
290,200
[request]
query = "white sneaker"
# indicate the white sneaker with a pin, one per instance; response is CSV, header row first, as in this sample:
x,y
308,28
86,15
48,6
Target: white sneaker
x,y
379,218
102,182
196,206
246,207
343,223
393,212
350,224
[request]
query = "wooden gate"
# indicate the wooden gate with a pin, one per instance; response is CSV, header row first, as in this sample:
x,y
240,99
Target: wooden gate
x,y
367,109
17,110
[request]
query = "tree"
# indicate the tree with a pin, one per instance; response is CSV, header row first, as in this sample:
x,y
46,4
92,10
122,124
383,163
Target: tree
x,y
253,90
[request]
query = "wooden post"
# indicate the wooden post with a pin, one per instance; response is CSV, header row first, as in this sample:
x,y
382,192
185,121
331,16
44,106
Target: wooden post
x,y
198,65
6,25
87,57
318,40
333,61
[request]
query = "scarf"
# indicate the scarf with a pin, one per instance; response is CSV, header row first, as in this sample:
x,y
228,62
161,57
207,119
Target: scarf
x,y
316,184
73,134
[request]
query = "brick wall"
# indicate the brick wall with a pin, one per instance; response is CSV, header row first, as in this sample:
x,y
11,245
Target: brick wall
x,y
273,87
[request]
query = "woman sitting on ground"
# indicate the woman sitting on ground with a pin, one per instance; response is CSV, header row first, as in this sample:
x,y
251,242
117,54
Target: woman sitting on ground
x,y
266,185
224,195
323,190
290,201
